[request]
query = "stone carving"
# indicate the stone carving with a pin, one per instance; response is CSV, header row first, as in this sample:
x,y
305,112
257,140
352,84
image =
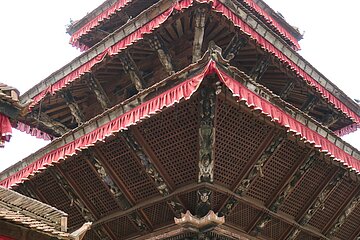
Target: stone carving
x,y
206,135
257,169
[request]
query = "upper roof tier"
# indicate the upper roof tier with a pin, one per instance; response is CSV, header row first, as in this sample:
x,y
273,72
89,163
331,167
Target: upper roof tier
x,y
112,14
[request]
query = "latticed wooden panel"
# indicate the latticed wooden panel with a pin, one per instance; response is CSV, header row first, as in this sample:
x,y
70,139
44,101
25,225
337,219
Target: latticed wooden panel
x,y
56,197
351,225
189,200
305,236
91,235
242,216
122,227
129,169
89,184
238,136
159,215
332,204
275,229
276,170
173,137
217,201
306,188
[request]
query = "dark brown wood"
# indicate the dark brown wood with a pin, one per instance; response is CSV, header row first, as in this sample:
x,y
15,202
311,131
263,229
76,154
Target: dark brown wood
x,y
132,70
309,104
157,44
199,23
73,106
95,86
235,45
260,67
286,91
48,122
82,200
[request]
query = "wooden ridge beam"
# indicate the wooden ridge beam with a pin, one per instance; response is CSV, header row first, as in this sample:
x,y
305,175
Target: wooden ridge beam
x,y
75,200
318,201
132,70
260,67
73,106
95,86
44,119
234,46
199,19
157,44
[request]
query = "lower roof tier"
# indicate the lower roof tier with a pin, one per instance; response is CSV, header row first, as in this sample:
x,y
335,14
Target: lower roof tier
x,y
217,135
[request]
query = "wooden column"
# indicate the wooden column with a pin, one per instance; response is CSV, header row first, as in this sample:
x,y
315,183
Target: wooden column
x,y
199,18
236,43
132,70
157,44
73,106
95,86
260,67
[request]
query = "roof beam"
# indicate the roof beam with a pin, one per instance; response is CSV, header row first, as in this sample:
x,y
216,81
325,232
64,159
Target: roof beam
x,y
309,104
260,67
352,204
157,44
156,175
73,106
74,199
132,70
44,119
80,200
318,202
234,46
288,88
199,19
95,86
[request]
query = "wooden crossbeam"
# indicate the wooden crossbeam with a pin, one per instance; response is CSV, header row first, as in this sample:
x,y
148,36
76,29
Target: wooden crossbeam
x,y
132,70
146,160
157,44
234,46
79,201
44,119
73,106
260,67
95,86
199,19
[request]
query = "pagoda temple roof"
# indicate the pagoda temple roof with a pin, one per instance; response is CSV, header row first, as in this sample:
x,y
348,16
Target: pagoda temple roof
x,y
32,214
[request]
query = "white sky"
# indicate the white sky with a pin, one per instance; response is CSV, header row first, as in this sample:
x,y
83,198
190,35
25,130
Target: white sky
x,y
34,44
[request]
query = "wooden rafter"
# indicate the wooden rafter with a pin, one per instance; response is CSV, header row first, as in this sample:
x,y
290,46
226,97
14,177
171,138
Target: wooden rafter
x,y
73,106
80,201
199,20
157,44
95,86
160,182
44,119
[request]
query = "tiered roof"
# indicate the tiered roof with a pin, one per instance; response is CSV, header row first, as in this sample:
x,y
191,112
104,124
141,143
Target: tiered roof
x,y
194,105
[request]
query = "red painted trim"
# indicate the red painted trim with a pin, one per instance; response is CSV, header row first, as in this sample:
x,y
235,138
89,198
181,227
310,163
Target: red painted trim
x,y
170,97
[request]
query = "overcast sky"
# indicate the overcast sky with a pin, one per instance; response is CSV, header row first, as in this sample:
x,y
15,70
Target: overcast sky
x,y
34,44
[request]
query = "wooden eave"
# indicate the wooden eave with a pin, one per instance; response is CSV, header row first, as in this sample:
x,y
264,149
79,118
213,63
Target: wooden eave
x,y
160,7
118,110
80,23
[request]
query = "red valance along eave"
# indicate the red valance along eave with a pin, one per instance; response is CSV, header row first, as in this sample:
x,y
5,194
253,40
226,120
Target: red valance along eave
x,y
5,129
219,7
184,91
